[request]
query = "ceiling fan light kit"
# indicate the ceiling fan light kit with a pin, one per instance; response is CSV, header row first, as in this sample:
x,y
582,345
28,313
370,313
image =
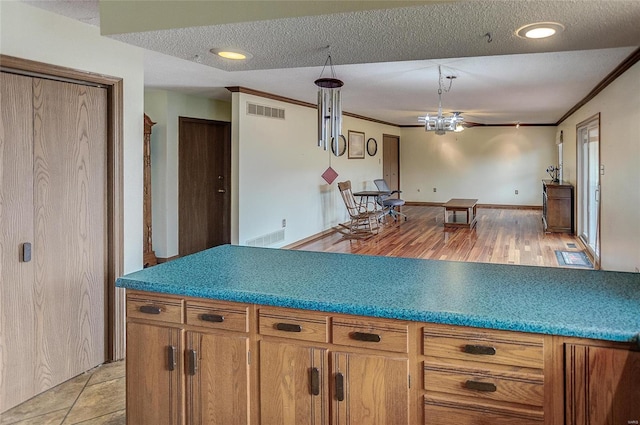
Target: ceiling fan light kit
x,y
439,122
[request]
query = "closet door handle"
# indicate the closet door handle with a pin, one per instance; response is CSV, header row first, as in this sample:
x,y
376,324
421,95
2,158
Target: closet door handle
x,y
26,252
315,381
339,386
171,351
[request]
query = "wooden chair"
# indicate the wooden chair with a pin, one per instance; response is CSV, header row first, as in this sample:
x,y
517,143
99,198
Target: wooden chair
x,y
363,215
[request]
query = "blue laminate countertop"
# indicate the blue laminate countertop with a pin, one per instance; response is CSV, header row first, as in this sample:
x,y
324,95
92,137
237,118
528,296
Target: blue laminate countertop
x,y
557,301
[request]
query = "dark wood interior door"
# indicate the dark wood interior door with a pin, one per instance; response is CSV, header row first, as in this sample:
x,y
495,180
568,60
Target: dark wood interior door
x,y
391,161
204,174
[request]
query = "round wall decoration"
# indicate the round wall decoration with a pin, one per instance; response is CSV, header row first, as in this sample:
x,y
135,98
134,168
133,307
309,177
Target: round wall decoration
x,y
342,146
372,146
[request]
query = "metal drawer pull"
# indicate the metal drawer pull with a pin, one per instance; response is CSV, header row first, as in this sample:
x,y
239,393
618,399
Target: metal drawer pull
x,y
149,309
486,387
171,351
193,362
288,327
484,350
339,387
363,336
315,381
216,318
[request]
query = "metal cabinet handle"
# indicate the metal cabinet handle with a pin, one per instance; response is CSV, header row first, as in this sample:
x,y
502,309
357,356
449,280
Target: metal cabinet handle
x,y
171,351
215,318
483,350
315,381
221,191
486,387
288,327
149,309
339,386
364,336
193,362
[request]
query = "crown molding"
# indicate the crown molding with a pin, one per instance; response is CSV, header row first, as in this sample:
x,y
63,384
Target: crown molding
x,y
631,60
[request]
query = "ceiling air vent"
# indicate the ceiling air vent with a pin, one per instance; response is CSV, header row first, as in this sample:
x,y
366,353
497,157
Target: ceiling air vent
x,y
264,111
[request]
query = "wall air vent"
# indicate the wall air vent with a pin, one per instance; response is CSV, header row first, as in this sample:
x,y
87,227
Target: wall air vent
x,y
267,240
264,111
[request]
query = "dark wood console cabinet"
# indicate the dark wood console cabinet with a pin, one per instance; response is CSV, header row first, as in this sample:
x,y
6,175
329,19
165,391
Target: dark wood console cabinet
x,y
557,206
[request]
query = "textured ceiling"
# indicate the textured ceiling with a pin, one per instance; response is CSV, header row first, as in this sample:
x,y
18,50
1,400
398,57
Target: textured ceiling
x,y
388,58
434,31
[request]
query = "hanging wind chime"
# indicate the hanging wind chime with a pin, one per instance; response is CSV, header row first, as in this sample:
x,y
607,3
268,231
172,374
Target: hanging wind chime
x,y
329,115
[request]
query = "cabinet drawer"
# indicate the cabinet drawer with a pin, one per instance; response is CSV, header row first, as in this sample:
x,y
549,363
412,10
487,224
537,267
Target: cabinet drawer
x,y
476,415
377,334
155,308
276,322
218,316
559,192
468,344
526,389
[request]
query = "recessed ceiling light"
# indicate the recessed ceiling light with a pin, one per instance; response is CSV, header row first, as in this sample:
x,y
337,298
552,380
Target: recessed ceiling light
x,y
234,54
540,30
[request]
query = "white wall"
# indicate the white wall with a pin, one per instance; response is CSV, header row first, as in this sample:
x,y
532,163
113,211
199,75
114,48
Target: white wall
x,y
486,163
31,33
619,108
279,169
164,108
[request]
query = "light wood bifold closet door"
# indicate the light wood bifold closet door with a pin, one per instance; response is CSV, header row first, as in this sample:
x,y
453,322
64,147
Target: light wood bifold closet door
x,y
53,196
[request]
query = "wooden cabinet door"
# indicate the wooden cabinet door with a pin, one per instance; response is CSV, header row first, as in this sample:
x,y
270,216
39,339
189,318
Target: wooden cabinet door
x,y
369,389
293,384
154,372
602,386
217,382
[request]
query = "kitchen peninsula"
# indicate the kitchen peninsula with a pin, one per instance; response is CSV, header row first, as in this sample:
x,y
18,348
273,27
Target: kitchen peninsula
x,y
265,336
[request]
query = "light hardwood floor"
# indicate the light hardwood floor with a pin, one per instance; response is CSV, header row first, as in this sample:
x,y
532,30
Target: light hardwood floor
x,y
502,236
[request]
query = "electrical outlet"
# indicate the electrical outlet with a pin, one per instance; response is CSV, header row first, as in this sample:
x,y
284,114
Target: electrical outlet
x,y
516,191
284,222
434,189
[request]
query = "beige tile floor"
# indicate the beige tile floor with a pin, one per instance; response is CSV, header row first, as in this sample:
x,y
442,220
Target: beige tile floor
x,y
96,397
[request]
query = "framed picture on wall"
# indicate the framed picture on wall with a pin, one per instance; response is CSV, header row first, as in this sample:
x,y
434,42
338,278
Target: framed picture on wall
x,y
372,146
356,145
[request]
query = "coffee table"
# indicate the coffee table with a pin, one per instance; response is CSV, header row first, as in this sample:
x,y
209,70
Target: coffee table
x,y
457,204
